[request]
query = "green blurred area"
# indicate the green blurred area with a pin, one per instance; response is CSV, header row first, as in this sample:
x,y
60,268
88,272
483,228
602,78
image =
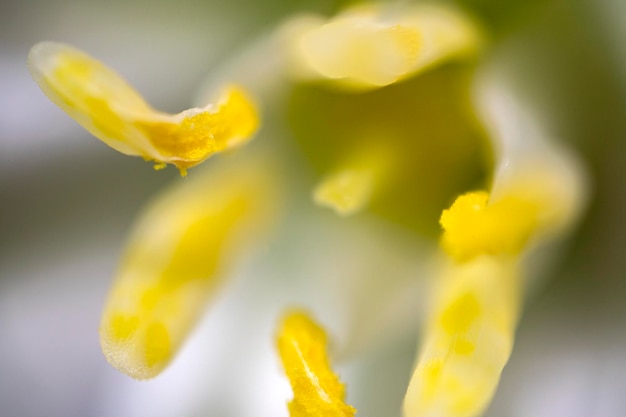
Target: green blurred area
x,y
424,130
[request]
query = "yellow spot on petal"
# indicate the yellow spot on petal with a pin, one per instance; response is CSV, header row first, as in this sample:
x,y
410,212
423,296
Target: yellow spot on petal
x,y
150,298
463,347
122,327
459,315
432,369
158,346
317,390
104,104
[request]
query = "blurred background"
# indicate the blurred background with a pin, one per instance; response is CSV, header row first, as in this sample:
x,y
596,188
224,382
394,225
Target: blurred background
x,y
67,202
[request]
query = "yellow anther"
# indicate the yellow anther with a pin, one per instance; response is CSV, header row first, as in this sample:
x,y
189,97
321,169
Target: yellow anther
x,y
377,45
104,104
317,390
177,257
475,226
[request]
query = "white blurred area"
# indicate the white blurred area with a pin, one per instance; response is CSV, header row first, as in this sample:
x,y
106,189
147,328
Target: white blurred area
x,y
67,202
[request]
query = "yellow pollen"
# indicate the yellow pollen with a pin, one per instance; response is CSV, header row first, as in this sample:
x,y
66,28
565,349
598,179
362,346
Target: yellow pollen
x,y
474,226
317,390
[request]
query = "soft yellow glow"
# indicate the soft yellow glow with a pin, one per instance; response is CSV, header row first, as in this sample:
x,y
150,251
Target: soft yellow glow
x,y
467,341
104,104
377,45
346,192
350,188
179,253
317,390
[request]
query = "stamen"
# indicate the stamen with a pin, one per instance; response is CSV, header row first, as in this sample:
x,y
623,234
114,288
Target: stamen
x,y
178,256
104,104
317,390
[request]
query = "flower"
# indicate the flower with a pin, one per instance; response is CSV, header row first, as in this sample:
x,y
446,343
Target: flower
x,y
536,195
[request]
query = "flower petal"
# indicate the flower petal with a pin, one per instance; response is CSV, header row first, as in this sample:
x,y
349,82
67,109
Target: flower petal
x,y
467,341
104,104
376,45
177,257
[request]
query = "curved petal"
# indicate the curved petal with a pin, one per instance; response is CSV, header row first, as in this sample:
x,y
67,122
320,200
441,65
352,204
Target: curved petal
x,y
104,104
178,255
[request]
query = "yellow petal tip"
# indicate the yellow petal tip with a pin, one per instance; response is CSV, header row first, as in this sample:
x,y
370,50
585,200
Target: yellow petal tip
x,y
135,347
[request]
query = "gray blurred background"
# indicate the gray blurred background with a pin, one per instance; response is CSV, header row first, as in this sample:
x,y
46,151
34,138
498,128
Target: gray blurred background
x,y
67,202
